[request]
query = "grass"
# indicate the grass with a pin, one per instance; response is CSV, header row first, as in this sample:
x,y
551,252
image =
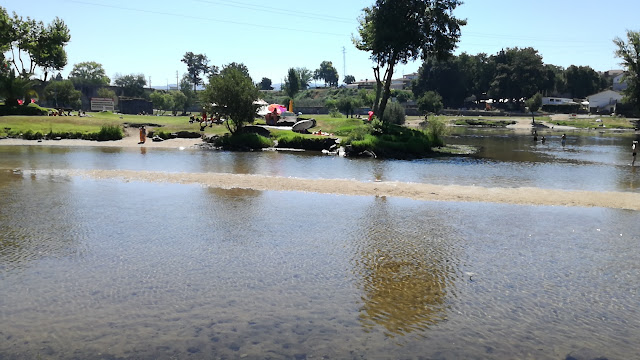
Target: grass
x,y
589,123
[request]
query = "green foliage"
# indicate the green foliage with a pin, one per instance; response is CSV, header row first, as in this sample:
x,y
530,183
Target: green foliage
x,y
349,79
14,88
186,89
328,73
107,93
629,52
394,114
131,85
396,142
292,83
63,94
31,110
242,141
44,44
109,132
583,81
534,103
436,129
519,74
197,67
238,66
89,74
430,103
265,84
234,95
334,113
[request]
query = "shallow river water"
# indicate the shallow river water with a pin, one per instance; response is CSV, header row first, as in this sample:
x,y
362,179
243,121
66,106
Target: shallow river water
x,y
107,269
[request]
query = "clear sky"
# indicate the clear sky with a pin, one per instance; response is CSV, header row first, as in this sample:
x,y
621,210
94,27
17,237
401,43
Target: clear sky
x,y
269,37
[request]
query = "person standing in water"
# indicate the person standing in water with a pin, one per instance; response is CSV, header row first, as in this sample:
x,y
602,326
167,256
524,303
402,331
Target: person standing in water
x,y
564,140
634,148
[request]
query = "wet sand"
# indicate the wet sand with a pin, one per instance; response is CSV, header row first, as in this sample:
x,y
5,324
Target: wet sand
x,y
416,191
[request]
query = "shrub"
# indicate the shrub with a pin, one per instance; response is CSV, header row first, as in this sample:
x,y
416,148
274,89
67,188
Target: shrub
x,y
22,110
394,113
242,142
109,132
334,113
436,129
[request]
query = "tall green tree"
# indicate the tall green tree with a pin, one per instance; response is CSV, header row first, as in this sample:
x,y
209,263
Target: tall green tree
x,y
398,31
233,94
186,87
446,77
198,67
629,53
304,77
265,84
349,79
533,104
42,44
63,94
89,73
131,85
327,72
292,83
430,103
582,81
519,74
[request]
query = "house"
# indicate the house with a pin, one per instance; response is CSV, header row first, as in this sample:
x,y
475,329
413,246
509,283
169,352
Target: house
x,y
604,101
619,83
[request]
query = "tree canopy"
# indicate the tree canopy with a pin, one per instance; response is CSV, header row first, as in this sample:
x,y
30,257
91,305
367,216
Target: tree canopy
x,y
132,85
398,31
63,94
292,83
349,79
629,52
232,95
42,44
198,67
89,73
265,84
327,72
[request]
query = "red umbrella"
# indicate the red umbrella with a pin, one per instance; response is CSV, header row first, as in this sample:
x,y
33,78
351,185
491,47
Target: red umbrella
x,y
277,107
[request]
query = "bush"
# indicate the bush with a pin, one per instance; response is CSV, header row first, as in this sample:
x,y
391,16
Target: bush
x,y
334,113
295,141
436,129
109,132
394,113
242,142
30,110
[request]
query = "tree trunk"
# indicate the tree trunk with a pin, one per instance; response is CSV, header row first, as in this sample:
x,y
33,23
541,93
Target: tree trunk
x,y
376,103
387,85
533,118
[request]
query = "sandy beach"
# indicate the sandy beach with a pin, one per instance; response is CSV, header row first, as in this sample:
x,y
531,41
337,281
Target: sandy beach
x,y
416,191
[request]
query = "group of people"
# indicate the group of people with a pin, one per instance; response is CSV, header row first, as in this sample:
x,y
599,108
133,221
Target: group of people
x,y
544,140
205,121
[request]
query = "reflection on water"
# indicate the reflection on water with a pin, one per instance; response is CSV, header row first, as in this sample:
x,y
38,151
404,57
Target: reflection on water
x,y
406,273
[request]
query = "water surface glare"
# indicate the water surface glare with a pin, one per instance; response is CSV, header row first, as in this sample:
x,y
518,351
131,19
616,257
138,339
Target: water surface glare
x,y
93,269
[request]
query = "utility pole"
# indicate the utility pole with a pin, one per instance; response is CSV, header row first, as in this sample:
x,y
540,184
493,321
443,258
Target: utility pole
x,y
149,82
177,83
344,62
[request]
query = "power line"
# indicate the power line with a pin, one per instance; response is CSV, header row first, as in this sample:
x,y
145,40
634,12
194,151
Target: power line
x,y
269,10
205,18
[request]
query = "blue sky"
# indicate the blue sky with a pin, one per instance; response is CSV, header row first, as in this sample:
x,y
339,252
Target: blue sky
x,y
150,37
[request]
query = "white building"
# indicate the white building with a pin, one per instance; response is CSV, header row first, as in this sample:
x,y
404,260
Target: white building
x,y
619,84
604,100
